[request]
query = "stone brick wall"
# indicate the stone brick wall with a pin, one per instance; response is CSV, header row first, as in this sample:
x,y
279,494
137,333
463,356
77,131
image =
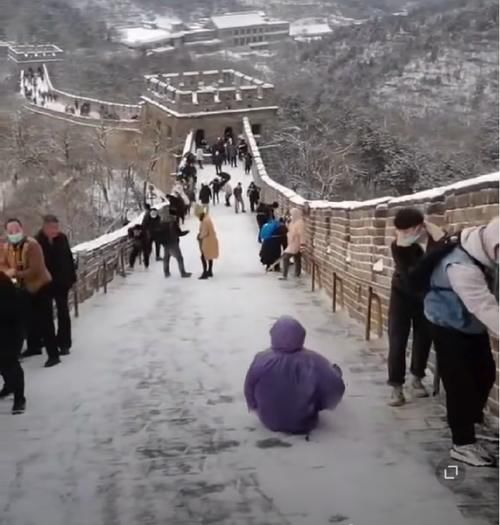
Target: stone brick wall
x,y
350,241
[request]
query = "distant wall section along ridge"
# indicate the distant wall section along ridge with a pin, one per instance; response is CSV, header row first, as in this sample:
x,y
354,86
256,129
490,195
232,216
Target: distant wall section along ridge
x,y
348,243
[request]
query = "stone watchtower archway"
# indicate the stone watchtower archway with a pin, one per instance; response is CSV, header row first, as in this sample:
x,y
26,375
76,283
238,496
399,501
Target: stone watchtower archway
x,y
208,103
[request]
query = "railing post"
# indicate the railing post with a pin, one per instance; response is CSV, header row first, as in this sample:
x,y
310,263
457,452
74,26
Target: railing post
x,y
75,300
368,322
334,293
313,275
105,275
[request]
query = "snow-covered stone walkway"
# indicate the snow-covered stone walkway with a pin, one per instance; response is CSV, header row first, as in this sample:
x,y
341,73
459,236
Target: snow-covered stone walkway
x,y
145,423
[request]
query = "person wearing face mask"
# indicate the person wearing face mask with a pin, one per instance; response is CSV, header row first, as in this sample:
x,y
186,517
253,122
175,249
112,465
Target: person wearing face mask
x,y
22,260
414,239
462,307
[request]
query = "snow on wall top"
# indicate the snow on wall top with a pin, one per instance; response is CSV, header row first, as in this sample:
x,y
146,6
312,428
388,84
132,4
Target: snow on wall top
x,y
425,195
243,19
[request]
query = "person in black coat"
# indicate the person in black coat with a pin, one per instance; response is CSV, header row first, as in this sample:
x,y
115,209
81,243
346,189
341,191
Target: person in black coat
x,y
151,222
415,239
169,233
205,195
61,266
140,244
253,193
11,341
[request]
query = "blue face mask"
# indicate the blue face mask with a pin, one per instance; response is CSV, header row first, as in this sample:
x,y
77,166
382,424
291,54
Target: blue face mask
x,y
15,238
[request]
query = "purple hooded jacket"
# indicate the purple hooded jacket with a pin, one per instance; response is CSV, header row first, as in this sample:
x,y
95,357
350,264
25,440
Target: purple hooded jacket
x,y
288,385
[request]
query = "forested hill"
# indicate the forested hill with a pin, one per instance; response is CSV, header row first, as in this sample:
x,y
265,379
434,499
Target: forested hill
x,y
412,99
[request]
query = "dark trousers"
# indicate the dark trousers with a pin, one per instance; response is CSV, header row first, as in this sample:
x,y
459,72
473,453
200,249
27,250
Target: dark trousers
x,y
63,318
136,250
467,369
253,203
218,168
207,265
234,162
13,376
157,246
297,259
407,312
215,197
41,322
200,164
248,168
228,200
173,250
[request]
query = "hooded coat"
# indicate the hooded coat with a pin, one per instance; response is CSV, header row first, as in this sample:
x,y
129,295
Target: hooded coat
x,y
288,385
207,237
296,236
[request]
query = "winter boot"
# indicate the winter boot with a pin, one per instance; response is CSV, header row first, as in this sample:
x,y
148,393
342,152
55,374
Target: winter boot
x,y
52,361
473,454
203,276
397,397
418,388
4,393
19,406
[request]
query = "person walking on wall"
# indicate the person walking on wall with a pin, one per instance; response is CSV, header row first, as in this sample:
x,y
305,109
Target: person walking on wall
x,y
169,235
205,196
209,244
228,192
200,156
218,158
22,260
462,307
295,243
238,198
140,245
248,162
414,239
61,266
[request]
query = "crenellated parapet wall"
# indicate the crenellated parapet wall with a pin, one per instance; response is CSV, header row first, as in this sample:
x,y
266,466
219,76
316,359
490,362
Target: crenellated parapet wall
x,y
348,243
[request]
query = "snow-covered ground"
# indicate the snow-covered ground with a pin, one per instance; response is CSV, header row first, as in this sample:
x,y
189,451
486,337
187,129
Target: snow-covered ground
x,y
140,36
145,423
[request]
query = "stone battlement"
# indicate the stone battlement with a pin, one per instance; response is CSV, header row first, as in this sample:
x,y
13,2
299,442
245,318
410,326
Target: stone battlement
x,y
216,90
28,53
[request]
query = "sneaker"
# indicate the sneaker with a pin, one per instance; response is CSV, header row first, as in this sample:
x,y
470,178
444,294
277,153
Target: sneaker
x,y
473,454
52,361
4,393
283,278
64,351
397,397
29,353
186,275
166,274
19,406
418,388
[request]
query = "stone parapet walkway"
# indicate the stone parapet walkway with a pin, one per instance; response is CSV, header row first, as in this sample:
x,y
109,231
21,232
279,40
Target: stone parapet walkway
x,y
145,423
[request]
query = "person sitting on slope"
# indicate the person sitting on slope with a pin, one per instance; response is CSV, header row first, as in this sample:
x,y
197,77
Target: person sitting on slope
x,y
289,385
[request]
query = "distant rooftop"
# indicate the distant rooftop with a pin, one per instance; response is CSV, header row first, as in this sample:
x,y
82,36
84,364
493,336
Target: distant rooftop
x,y
242,19
22,53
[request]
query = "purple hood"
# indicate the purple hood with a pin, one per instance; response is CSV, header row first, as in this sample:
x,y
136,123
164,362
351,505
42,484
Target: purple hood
x,y
287,335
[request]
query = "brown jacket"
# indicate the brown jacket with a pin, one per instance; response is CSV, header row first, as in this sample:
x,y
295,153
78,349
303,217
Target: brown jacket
x,y
27,259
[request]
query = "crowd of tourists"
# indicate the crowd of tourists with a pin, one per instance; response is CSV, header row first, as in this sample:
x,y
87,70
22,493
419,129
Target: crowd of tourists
x,y
444,290
36,273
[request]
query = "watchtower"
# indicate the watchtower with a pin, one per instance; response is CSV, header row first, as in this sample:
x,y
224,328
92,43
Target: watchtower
x,y
209,103
24,54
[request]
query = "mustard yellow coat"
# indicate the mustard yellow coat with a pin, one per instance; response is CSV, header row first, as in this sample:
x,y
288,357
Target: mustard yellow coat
x,y
208,239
